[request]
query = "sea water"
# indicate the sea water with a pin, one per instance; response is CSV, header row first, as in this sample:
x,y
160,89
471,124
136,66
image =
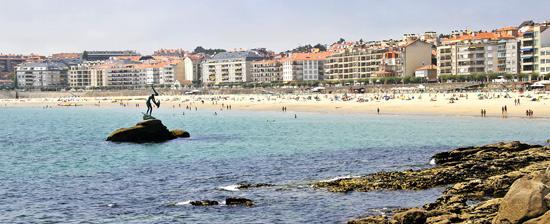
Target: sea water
x,y
57,167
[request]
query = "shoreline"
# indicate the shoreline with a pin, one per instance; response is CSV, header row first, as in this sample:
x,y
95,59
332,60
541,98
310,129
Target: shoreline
x,y
492,183
415,104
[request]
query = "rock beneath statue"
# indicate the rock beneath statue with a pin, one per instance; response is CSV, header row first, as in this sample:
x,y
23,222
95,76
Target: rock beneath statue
x,y
146,131
178,133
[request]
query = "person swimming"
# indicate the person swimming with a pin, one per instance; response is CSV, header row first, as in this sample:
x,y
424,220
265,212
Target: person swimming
x,y
152,98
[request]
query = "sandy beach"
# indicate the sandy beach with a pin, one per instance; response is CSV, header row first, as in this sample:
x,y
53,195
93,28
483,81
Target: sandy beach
x,y
449,104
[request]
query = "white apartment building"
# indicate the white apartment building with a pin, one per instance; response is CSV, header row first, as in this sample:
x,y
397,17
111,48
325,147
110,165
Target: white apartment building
x,y
192,72
304,66
228,67
478,53
79,75
41,75
380,59
535,45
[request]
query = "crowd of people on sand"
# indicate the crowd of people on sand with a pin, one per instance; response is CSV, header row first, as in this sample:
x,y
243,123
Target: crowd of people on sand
x,y
192,101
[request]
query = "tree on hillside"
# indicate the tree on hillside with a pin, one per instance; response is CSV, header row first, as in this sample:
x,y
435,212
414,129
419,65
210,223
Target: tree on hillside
x,y
200,49
341,40
320,47
85,55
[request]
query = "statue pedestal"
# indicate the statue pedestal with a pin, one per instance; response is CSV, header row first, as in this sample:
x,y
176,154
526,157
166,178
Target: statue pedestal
x,y
148,117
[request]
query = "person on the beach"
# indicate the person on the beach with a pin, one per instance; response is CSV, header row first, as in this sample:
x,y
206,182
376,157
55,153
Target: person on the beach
x,y
152,98
378,110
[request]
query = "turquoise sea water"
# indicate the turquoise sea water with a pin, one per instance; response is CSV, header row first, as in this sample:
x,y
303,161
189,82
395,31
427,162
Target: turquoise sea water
x,y
57,168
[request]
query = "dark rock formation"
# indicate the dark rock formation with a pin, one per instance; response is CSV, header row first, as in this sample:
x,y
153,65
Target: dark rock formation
x,y
246,185
478,177
204,203
452,167
412,216
146,131
239,201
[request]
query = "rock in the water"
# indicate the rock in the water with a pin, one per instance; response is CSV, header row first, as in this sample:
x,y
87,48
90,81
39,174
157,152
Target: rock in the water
x,y
180,133
204,203
146,131
525,200
411,216
239,201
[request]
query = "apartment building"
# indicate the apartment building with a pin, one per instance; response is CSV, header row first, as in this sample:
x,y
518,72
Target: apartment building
x,y
79,75
192,69
44,74
379,59
118,74
228,67
267,70
304,66
106,55
481,52
535,48
8,62
355,63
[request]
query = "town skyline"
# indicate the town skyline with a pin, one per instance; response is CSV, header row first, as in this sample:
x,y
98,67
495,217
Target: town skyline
x,y
77,26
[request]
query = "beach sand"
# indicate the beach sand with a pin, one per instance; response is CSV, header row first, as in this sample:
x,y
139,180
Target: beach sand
x,y
468,104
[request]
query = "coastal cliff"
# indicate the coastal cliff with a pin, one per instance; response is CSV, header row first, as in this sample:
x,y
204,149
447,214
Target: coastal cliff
x,y
497,183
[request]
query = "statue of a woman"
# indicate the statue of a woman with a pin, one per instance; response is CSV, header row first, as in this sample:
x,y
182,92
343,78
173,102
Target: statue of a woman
x,y
152,98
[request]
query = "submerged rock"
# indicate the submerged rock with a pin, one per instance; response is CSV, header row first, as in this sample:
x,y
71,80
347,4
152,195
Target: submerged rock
x,y
204,203
239,201
146,131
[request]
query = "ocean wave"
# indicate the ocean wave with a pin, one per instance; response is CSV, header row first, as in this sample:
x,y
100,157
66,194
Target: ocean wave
x,y
188,202
233,187
339,178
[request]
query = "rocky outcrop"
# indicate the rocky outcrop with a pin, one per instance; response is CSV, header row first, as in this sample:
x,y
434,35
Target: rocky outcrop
x,y
204,203
479,178
525,200
456,166
544,219
411,216
239,201
146,131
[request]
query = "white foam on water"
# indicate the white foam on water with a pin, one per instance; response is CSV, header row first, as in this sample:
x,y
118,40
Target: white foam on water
x,y
432,161
233,187
183,203
339,178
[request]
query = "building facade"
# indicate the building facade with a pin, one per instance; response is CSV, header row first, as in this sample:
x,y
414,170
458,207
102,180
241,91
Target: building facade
x,y
535,45
229,67
192,70
79,75
304,66
43,74
106,55
478,53
267,71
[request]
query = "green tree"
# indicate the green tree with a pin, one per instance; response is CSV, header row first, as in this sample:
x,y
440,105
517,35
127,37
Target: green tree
x,y
85,55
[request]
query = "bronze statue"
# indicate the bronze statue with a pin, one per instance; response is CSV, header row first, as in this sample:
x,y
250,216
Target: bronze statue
x,y
152,98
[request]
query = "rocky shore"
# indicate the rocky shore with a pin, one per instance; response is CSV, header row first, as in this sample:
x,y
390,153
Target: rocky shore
x,y
497,183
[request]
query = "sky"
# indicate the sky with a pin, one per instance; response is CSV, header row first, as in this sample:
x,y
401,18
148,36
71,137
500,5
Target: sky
x,y
52,26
